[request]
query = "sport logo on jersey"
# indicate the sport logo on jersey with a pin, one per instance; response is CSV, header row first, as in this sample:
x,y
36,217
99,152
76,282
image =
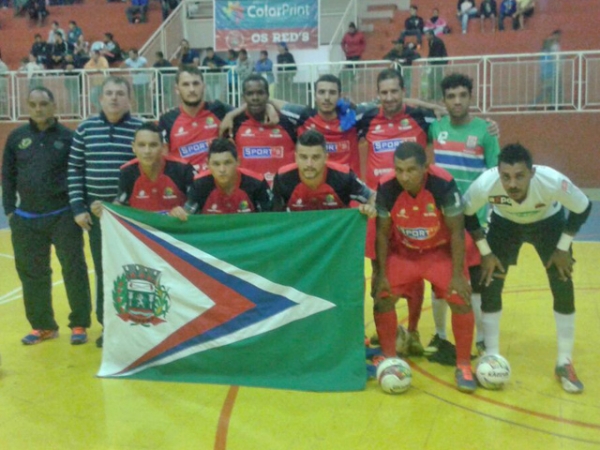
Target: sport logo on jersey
x,y
386,146
405,125
196,148
471,142
499,200
419,234
262,152
338,147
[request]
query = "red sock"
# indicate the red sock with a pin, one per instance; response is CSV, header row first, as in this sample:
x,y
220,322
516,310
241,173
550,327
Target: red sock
x,y
415,305
462,327
386,324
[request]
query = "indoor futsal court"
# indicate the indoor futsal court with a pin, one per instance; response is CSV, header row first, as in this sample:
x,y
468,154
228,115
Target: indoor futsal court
x,y
50,397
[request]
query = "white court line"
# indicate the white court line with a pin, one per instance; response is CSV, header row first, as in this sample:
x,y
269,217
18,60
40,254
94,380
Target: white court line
x,y
4,255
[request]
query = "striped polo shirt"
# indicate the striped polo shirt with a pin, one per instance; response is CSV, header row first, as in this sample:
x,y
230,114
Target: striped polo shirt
x,y
98,150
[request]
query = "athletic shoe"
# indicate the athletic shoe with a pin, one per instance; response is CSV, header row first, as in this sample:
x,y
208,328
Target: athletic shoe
x,y
37,336
568,378
433,345
100,341
78,336
446,354
480,347
465,382
372,366
413,344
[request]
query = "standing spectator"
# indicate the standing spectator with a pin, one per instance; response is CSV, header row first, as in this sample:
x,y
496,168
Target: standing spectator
x,y
187,55
141,81
39,49
524,9
488,10
413,26
72,82
35,167
353,43
167,7
466,10
30,66
213,76
137,12
508,8
81,52
166,81
244,65
58,51
264,67
96,63
54,30
285,75
37,11
437,49
404,55
101,145
436,24
551,92
73,34
112,49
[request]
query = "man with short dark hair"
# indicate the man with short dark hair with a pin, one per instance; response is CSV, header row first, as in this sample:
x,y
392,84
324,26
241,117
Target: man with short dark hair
x,y
528,205
35,168
413,25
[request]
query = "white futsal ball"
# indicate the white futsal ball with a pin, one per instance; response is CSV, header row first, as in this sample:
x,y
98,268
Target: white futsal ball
x,y
394,375
493,371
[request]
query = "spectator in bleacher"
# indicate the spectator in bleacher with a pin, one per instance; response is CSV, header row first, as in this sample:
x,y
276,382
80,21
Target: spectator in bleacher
x,y
112,49
353,43
54,31
73,34
285,75
436,24
187,55
141,81
30,67
167,7
413,26
37,11
264,67
465,11
508,8
244,64
39,49
96,62
213,61
166,82
137,12
437,49
524,9
72,82
161,62
404,55
81,52
58,51
488,10
550,83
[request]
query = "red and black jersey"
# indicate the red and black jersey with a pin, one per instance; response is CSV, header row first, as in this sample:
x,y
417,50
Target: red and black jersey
x,y
264,149
189,137
418,222
342,146
251,194
384,135
163,194
337,190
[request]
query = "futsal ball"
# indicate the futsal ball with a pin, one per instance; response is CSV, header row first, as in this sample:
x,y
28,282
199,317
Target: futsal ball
x,y
394,375
493,371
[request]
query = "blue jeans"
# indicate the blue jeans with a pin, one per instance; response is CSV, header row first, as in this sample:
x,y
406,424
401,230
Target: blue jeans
x,y
464,18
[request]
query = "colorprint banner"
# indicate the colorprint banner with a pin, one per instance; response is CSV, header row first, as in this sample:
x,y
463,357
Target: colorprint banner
x,y
271,299
258,24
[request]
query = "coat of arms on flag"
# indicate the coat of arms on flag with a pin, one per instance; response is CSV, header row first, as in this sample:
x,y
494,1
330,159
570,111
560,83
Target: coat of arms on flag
x,y
270,299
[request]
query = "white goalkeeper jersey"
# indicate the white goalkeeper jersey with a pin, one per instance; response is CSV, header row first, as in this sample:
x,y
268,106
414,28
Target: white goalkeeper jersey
x,y
549,190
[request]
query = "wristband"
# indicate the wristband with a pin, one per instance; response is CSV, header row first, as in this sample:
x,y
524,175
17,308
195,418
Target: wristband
x,y
564,243
484,247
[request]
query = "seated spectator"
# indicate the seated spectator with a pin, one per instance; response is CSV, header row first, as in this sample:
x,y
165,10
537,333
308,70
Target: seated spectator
x,y
436,24
244,64
488,10
57,53
168,6
508,8
161,62
187,55
112,49
81,52
212,61
73,34
30,67
403,54
37,11
413,26
54,30
96,61
524,9
39,49
264,67
466,10
137,12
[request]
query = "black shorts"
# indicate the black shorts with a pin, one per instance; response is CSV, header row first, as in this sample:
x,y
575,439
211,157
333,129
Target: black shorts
x,y
506,237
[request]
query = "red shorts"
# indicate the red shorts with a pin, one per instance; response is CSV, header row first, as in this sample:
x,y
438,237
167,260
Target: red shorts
x,y
407,267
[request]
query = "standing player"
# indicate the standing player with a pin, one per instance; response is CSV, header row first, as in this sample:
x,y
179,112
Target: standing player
x,y
190,128
462,145
528,205
225,188
420,236
34,170
151,181
313,183
101,145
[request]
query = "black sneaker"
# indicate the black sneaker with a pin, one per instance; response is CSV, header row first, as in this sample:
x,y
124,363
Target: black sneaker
x,y
434,345
100,341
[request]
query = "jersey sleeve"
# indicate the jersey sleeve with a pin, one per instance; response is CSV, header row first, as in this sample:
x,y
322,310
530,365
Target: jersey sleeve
x,y
220,109
358,189
384,201
491,150
365,113
451,202
197,195
9,176
126,183
477,194
279,198
297,114
578,204
263,199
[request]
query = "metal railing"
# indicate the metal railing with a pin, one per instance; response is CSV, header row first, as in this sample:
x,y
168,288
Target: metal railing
x,y
506,84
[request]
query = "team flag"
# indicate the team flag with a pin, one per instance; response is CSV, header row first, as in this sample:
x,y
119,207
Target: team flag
x,y
271,299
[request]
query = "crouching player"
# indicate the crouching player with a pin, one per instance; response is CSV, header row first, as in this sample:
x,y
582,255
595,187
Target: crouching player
x,y
420,236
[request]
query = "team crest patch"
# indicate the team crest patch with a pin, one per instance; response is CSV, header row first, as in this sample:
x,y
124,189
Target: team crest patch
x,y
139,297
471,142
26,142
244,206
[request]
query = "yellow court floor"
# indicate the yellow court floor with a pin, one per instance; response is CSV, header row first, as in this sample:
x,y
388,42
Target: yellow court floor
x,y
50,397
